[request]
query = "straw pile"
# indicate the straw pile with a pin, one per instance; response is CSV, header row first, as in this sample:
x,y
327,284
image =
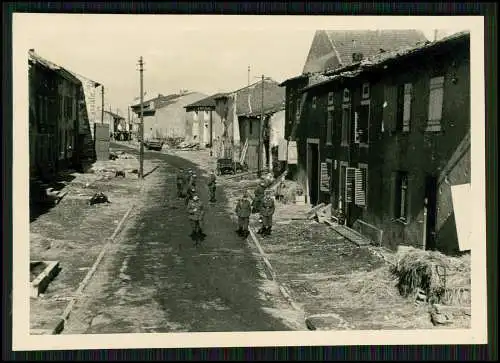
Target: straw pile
x,y
373,287
443,279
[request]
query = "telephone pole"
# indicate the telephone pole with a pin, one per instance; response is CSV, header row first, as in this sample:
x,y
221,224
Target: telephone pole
x,y
248,78
102,104
141,155
261,123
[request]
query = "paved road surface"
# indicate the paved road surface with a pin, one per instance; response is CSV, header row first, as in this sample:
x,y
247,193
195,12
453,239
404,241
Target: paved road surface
x,y
156,280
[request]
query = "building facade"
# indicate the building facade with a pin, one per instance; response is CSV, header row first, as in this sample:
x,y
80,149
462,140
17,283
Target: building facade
x,y
385,142
59,132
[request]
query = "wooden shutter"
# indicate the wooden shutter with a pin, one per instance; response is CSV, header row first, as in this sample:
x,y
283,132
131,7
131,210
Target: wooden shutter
x,y
350,184
329,126
407,107
390,109
435,103
360,187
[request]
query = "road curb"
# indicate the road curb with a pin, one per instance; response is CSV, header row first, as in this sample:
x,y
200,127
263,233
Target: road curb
x,y
272,272
67,311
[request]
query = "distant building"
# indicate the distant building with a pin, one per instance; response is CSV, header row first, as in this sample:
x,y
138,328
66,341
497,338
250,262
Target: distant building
x,y
241,112
202,119
165,116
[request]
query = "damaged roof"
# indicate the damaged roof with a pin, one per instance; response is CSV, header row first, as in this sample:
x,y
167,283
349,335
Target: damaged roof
x,y
208,102
249,99
382,58
331,49
34,58
114,115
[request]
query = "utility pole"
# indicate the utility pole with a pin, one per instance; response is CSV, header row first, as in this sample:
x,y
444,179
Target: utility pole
x,y
141,155
248,79
211,133
102,104
261,123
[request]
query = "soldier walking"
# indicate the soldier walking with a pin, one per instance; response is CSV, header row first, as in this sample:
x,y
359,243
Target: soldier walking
x,y
180,182
212,186
196,214
243,211
266,213
258,197
190,193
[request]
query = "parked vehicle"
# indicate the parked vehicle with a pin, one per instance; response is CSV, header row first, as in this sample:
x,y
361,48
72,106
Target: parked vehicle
x,y
154,144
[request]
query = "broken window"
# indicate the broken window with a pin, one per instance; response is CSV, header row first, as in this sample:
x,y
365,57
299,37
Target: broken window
x,y
346,125
329,126
362,122
436,92
361,185
404,107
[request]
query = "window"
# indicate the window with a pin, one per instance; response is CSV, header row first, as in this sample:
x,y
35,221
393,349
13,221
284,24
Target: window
x,y
346,125
361,185
401,196
404,107
366,91
350,178
329,125
362,123
347,95
330,98
206,115
195,115
436,91
314,102
250,123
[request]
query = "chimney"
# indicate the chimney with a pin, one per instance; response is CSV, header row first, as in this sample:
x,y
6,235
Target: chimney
x,y
32,50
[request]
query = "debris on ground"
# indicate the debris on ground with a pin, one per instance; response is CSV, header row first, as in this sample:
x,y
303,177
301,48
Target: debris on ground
x,y
98,198
120,173
113,156
439,277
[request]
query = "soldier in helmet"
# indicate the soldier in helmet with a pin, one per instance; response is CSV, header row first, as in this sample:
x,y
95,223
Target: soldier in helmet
x,y
190,193
196,214
181,179
211,185
266,213
258,197
243,211
186,184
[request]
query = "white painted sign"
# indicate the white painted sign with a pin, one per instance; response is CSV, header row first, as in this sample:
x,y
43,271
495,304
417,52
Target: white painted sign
x,y
462,197
292,152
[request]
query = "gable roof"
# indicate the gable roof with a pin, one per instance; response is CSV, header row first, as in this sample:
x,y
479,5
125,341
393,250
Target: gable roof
x,y
114,115
34,58
381,59
205,102
161,100
249,98
334,48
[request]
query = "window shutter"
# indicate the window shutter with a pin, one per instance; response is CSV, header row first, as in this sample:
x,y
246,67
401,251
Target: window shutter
x,y
356,126
350,181
360,187
435,103
390,109
407,107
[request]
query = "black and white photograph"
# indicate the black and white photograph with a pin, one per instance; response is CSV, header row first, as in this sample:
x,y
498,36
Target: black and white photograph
x,y
188,180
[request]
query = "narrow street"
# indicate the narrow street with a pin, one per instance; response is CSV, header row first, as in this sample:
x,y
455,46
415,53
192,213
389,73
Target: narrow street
x,y
156,280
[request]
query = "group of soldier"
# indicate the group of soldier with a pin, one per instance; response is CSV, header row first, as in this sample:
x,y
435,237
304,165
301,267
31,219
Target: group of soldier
x,y
262,203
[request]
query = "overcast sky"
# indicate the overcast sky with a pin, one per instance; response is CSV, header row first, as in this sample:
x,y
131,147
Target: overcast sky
x,y
207,54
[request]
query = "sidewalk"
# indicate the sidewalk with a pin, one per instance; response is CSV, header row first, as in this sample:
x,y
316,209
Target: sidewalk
x,y
74,232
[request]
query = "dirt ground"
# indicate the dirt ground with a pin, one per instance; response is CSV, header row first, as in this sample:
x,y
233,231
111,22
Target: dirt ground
x,y
73,233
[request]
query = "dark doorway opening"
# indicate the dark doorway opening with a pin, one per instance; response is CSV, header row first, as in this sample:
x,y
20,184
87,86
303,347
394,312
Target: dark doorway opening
x,y
430,202
313,173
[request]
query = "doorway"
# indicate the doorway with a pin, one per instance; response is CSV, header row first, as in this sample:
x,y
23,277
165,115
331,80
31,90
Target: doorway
x,y
430,204
313,170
